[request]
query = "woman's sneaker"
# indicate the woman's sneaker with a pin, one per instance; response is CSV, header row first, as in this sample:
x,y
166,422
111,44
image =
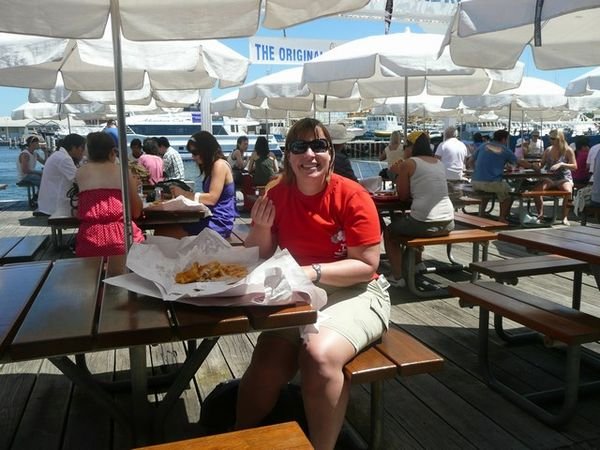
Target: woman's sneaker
x,y
400,282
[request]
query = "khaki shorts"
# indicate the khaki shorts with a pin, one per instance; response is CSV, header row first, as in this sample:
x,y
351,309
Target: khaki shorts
x,y
500,188
360,313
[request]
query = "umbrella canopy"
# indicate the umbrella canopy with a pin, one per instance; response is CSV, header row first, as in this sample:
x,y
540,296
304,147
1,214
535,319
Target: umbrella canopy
x,y
375,64
283,91
87,64
230,105
481,35
145,20
423,105
585,84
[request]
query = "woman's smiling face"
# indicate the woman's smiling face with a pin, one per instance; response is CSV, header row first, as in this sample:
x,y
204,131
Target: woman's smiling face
x,y
311,165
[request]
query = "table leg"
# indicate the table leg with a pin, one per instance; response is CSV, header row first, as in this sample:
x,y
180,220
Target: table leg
x,y
139,393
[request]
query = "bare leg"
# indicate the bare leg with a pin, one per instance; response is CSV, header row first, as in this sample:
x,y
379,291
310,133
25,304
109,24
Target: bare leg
x,y
394,254
505,209
324,389
566,186
274,363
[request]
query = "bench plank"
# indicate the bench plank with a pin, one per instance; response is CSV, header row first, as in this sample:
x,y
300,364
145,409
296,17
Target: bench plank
x,y
482,223
7,244
543,316
455,237
26,249
531,194
19,284
282,436
368,366
526,266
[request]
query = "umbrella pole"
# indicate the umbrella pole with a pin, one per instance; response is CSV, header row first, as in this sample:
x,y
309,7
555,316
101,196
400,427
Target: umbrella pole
x,y
120,98
509,116
405,108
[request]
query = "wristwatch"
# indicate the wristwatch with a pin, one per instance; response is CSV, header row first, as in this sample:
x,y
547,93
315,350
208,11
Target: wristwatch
x,y
317,269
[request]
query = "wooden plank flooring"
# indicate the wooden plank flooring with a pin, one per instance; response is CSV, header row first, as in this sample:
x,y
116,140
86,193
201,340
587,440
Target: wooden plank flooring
x,y
40,408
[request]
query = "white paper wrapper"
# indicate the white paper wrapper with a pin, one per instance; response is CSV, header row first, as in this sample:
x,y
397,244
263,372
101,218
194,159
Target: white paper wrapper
x,y
276,281
179,203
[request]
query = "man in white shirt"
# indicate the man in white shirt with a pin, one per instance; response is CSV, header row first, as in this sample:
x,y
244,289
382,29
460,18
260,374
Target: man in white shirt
x,y
536,146
58,176
591,158
453,154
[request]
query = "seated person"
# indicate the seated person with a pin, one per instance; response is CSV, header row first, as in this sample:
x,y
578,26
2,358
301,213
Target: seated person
x,y
264,167
27,160
149,159
341,162
218,190
522,148
489,160
58,176
596,184
581,176
172,162
392,153
100,206
237,160
558,160
329,224
422,178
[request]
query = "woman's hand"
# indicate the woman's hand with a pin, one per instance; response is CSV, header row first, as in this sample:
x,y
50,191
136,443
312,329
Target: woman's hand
x,y
555,167
263,212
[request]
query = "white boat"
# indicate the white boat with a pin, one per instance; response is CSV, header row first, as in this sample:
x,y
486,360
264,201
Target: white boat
x,y
178,127
382,125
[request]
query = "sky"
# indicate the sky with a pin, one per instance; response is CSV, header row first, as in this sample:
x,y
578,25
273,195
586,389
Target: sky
x,y
330,29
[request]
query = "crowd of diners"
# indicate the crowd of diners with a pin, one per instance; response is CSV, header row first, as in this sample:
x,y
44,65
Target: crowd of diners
x,y
314,208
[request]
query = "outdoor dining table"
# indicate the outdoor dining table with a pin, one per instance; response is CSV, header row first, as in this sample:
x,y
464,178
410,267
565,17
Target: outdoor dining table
x,y
388,203
52,309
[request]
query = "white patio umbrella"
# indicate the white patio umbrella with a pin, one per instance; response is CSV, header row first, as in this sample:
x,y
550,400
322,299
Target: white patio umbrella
x,y
230,105
494,34
422,105
585,84
399,65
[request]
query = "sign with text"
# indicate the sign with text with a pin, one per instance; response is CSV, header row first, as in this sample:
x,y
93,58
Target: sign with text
x,y
270,50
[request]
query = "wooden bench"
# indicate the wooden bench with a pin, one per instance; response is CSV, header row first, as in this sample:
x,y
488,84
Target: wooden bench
x,y
483,198
32,192
479,222
282,436
398,353
58,224
411,245
20,249
556,322
554,195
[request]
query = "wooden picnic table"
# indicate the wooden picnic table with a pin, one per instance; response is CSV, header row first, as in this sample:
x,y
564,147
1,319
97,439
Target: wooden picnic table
x,y
55,309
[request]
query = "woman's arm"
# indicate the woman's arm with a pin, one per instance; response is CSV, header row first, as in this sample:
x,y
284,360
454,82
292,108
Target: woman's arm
x,y
260,235
360,266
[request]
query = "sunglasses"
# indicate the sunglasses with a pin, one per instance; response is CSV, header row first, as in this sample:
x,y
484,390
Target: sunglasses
x,y
318,146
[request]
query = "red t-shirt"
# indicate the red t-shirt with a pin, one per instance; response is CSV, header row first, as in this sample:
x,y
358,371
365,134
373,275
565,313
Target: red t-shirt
x,y
320,228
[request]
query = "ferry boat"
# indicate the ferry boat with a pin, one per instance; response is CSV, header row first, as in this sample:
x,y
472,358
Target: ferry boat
x,y
178,127
382,125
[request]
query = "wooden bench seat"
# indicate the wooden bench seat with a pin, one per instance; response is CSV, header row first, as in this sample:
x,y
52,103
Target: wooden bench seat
x,y
398,353
483,198
555,322
554,195
282,436
482,223
479,238
58,224
32,192
20,249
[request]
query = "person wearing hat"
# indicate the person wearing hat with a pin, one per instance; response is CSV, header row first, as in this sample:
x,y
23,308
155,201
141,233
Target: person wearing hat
x,y
26,162
422,178
522,148
536,146
341,162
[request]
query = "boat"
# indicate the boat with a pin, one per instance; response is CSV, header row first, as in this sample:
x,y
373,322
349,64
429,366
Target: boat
x,y
382,125
178,127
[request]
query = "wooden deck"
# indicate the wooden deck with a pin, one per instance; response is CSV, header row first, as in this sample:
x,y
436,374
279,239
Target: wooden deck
x,y
40,408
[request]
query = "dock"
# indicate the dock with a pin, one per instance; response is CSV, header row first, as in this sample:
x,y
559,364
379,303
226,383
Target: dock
x,y
450,409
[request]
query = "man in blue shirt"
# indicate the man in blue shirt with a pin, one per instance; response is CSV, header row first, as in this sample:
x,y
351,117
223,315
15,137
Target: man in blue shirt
x,y
111,128
489,160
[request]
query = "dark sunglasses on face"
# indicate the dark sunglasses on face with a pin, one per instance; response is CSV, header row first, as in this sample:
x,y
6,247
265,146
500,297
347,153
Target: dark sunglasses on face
x,y
318,146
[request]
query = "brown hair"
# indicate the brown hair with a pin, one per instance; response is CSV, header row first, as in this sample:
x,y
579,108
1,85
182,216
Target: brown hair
x,y
207,146
305,125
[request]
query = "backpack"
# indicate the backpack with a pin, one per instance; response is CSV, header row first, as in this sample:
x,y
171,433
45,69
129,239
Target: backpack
x,y
218,408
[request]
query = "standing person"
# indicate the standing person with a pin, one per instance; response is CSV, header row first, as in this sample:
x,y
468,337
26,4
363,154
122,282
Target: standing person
x,y
172,162
331,227
591,158
149,159
453,154
27,160
237,161
264,167
422,178
559,161
100,205
59,174
392,153
341,162
218,189
489,160
112,130
536,146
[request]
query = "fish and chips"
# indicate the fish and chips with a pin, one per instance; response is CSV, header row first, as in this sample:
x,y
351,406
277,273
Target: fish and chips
x,y
212,271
